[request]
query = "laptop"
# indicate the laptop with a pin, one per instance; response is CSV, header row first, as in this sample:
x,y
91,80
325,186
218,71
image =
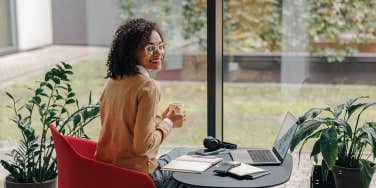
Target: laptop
x,y
277,154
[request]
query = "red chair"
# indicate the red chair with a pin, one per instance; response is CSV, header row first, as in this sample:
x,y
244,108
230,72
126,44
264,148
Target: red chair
x,y
77,167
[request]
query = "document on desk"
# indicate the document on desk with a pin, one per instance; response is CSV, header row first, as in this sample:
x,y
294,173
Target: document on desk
x,y
192,163
245,169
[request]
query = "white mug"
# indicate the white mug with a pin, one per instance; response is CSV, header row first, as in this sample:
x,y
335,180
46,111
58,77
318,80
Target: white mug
x,y
177,107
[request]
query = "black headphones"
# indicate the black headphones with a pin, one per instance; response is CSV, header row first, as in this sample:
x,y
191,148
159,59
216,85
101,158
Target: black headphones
x,y
212,144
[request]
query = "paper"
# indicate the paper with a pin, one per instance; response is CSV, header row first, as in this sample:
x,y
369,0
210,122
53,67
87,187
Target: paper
x,y
191,163
245,169
186,166
199,158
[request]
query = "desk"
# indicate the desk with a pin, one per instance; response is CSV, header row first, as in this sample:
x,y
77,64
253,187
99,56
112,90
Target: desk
x,y
279,175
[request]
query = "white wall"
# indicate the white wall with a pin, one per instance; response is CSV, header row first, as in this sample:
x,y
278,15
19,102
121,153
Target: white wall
x,y
69,22
34,23
101,21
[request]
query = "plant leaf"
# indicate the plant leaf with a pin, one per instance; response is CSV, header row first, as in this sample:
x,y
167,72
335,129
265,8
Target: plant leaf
x,y
306,129
36,100
38,91
66,65
76,119
69,72
315,135
90,97
352,108
70,101
341,151
72,94
328,146
56,80
351,101
370,137
47,76
366,172
14,170
344,125
9,95
349,105
367,106
49,86
338,110
311,113
316,149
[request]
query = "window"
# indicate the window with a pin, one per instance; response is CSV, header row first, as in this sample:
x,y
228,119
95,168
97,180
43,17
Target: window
x,y
292,55
183,76
5,25
278,56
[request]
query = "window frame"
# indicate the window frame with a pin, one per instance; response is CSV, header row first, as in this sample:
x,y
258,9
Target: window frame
x,y
13,30
215,68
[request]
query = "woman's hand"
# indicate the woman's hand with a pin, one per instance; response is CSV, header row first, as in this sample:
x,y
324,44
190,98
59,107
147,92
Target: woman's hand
x,y
165,112
177,119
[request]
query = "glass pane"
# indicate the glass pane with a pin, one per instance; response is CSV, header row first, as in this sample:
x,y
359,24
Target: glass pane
x,y
5,24
293,56
183,76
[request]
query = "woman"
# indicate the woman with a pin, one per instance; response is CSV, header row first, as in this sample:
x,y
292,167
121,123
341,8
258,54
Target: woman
x,y
131,129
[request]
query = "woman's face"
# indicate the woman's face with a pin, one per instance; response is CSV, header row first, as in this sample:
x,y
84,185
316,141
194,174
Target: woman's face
x,y
151,56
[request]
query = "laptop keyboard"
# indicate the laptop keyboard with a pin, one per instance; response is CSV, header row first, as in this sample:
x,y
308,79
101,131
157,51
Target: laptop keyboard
x,y
262,156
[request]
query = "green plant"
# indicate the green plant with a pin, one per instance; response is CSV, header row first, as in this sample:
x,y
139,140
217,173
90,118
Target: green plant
x,y
346,24
165,12
336,140
252,26
194,22
33,160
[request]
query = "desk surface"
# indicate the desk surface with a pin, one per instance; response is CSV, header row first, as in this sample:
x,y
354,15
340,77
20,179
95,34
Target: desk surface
x,y
279,175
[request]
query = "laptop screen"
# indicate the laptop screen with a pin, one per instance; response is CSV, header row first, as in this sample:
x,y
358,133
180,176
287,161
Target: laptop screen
x,y
285,135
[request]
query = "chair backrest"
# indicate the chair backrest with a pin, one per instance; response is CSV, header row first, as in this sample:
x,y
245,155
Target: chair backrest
x,y
77,167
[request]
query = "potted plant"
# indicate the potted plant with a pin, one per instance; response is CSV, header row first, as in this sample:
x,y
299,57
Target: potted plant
x,y
341,141
32,163
321,177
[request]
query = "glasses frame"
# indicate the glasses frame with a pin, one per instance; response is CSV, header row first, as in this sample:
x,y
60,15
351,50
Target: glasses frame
x,y
156,47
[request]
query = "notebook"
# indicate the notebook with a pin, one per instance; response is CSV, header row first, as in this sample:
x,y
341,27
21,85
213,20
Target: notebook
x,y
191,163
245,169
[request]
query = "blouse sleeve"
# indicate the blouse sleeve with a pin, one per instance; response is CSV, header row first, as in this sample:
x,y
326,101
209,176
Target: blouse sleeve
x,y
149,133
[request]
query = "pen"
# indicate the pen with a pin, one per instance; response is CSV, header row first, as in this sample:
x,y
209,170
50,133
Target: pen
x,y
260,174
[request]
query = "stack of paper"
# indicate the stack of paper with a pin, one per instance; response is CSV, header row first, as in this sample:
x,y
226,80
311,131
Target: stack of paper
x,y
192,163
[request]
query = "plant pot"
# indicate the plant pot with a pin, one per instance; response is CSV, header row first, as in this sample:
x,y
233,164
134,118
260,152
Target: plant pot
x,y
317,179
369,47
347,177
9,183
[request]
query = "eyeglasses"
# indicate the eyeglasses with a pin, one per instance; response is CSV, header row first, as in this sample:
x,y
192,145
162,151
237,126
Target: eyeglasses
x,y
151,48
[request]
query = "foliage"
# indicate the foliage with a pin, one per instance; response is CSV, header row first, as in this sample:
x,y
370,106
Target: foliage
x,y
194,22
347,23
164,12
336,140
252,26
248,26
335,28
33,160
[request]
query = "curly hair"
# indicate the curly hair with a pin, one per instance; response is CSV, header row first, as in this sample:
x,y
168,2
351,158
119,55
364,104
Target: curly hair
x,y
130,36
